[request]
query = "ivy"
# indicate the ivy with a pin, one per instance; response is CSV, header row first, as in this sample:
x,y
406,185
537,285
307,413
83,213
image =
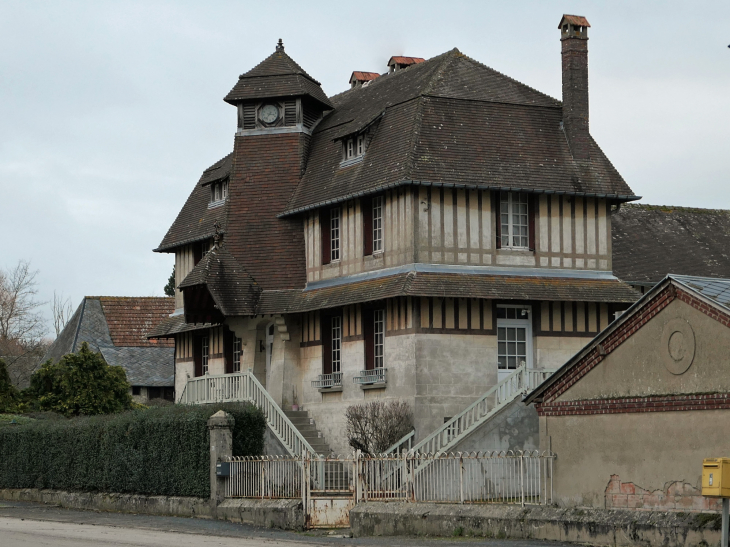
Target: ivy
x,y
161,451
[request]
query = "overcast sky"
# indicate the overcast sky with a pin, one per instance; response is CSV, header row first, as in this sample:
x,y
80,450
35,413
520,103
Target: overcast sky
x,y
109,111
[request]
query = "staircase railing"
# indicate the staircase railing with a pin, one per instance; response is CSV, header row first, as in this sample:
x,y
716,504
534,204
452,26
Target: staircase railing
x,y
522,380
243,386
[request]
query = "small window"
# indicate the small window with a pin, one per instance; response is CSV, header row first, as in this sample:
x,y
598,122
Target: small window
x,y
514,219
136,390
350,149
335,234
377,224
360,145
218,191
353,148
336,344
224,189
205,348
379,338
237,352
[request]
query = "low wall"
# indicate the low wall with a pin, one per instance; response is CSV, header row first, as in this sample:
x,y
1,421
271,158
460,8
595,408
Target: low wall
x,y
284,514
118,503
587,526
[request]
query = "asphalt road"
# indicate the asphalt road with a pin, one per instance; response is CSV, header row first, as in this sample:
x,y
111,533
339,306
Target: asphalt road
x,y
31,524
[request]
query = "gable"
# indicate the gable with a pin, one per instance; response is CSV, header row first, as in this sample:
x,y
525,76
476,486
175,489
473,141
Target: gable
x,y
650,361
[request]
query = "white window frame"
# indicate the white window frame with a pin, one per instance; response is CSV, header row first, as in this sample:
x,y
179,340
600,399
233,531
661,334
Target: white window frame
x,y
360,150
508,228
525,323
350,148
205,350
237,353
378,206
379,339
336,330
335,233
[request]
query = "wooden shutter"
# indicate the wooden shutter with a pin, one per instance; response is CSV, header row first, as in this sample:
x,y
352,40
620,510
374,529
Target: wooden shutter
x,y
326,333
249,116
198,355
228,349
367,225
290,112
497,213
531,221
324,228
368,329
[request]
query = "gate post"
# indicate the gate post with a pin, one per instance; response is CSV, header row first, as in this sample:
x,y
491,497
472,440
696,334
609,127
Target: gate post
x,y
220,426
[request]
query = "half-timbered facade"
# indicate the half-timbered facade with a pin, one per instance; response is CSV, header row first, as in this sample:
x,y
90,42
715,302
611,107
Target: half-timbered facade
x,y
419,236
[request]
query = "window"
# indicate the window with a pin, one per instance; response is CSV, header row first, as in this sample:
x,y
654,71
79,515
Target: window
x,y
514,346
379,337
204,347
237,352
335,234
377,224
350,149
360,145
514,220
336,344
218,192
353,148
136,390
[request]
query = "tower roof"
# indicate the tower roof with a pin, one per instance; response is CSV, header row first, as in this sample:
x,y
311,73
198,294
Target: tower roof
x,y
276,76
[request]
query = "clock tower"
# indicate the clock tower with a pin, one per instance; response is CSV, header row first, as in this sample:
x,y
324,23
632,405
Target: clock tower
x,y
278,106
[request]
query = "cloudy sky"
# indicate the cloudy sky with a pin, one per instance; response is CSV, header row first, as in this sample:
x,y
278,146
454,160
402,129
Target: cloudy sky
x,y
109,111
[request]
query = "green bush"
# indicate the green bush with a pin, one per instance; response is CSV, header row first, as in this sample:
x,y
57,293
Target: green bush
x,y
160,451
80,383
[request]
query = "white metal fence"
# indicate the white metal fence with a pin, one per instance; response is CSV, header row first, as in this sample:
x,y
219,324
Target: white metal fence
x,y
479,477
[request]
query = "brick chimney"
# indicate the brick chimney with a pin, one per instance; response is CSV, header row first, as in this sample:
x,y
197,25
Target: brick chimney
x,y
574,41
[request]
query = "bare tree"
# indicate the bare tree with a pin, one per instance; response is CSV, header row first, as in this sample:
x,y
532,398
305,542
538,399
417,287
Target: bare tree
x,y
376,426
62,310
22,326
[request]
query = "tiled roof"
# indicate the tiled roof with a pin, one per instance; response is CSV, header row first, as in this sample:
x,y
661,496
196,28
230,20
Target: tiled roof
x,y
276,76
450,120
577,20
363,76
196,221
717,290
651,241
174,325
129,319
118,327
396,59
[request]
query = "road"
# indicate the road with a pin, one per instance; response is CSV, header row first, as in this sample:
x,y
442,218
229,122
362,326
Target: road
x,y
36,525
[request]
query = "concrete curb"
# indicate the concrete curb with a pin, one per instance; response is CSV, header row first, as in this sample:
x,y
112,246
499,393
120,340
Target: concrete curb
x,y
587,526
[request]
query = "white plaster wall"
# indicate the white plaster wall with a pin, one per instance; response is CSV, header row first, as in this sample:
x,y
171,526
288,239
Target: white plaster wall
x,y
554,351
183,371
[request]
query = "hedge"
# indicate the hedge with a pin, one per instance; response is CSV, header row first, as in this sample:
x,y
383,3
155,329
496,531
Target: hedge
x,y
160,451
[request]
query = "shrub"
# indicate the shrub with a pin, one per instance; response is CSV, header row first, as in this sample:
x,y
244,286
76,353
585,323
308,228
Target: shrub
x,y
80,384
374,427
160,451
9,396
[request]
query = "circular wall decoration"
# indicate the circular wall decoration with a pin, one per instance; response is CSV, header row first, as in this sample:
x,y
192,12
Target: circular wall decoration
x,y
678,346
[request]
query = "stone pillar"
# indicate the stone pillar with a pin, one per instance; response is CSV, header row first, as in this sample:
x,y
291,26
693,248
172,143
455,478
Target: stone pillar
x,y
220,426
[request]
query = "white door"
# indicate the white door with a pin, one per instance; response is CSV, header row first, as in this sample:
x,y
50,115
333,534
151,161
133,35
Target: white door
x,y
514,339
269,350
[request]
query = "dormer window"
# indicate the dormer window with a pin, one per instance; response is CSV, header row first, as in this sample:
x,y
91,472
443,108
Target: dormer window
x,y
218,193
353,149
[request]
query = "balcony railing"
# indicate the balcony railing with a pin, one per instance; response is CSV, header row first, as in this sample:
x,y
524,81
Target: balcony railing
x,y
373,376
325,381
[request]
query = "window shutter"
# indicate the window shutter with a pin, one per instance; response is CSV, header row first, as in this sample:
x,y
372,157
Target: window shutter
x,y
367,225
290,112
228,349
249,116
368,328
326,333
198,355
497,213
531,220
324,229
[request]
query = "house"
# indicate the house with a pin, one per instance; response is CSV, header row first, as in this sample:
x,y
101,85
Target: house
x,y
633,414
117,327
427,236
651,241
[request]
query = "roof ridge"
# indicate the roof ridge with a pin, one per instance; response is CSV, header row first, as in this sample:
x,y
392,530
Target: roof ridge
x,y
671,208
291,63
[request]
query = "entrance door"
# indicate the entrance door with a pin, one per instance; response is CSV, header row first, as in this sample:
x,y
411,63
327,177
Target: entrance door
x,y
269,350
514,339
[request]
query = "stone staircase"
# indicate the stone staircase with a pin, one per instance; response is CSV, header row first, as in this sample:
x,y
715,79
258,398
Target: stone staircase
x,y
305,425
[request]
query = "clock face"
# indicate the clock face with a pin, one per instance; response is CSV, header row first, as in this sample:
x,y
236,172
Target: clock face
x,y
269,113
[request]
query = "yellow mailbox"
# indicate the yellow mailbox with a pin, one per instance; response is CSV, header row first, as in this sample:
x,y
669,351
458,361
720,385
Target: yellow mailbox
x,y
716,477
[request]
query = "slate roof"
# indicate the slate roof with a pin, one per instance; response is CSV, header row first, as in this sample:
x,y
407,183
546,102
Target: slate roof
x,y
276,76
716,290
652,241
195,221
456,122
118,327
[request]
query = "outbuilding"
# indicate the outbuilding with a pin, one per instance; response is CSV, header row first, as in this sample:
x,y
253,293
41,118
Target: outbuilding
x,y
633,414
